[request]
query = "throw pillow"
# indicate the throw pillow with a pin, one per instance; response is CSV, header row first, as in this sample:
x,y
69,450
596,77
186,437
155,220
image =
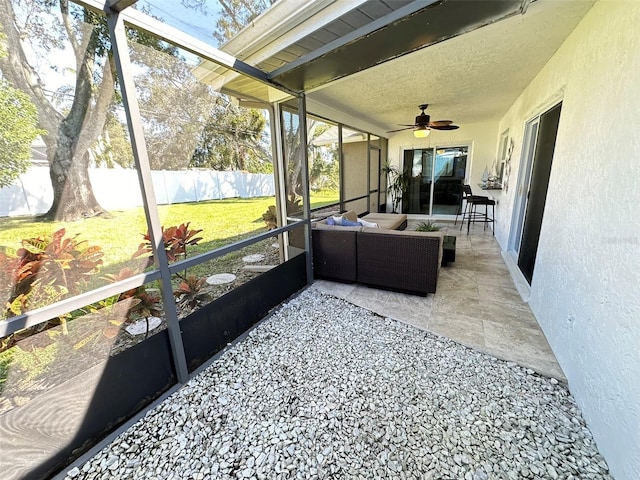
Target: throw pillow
x,y
330,221
348,223
351,215
368,224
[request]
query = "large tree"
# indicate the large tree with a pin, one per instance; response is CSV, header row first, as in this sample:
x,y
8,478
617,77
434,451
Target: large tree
x,y
233,138
174,105
293,152
324,170
40,33
187,123
113,148
18,119
35,36
233,15
237,14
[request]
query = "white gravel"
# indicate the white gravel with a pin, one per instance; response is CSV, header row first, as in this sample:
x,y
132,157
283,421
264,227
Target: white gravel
x,y
325,389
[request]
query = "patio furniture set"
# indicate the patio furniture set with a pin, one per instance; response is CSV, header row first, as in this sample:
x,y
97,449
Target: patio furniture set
x,y
383,255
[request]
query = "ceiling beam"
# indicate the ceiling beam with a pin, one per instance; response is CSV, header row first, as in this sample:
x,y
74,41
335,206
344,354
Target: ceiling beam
x,y
410,28
119,5
367,29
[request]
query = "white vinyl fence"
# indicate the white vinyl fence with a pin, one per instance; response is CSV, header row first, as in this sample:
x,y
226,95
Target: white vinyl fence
x,y
117,189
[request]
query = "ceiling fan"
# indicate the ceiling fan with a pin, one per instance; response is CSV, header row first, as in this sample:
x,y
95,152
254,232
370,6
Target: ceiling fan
x,y
424,125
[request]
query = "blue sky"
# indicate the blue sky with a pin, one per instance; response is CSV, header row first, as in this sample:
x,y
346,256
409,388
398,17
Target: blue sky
x,y
196,23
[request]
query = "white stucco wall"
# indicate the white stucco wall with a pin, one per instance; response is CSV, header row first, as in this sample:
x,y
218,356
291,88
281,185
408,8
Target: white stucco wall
x,y
481,138
585,291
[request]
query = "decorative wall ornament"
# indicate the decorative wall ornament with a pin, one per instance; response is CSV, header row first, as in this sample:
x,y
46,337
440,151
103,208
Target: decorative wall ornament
x,y
507,167
485,176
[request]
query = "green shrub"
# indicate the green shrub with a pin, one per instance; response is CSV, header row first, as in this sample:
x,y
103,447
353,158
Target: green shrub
x,y
427,226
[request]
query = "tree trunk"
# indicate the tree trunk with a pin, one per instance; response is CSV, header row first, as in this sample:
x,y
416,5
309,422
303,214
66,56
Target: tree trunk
x,y
70,134
73,196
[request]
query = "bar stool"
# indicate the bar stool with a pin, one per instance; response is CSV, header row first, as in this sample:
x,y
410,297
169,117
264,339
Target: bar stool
x,y
466,194
471,212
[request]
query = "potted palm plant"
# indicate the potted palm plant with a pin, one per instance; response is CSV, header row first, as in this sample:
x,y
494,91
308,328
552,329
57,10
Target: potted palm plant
x,y
397,185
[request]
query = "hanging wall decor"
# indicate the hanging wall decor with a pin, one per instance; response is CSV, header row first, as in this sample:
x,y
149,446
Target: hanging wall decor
x,y
507,167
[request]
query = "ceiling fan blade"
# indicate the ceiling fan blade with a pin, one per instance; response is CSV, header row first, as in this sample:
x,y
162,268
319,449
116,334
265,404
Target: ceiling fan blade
x,y
445,127
401,129
423,123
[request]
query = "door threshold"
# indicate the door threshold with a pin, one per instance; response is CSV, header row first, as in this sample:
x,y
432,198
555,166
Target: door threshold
x,y
523,287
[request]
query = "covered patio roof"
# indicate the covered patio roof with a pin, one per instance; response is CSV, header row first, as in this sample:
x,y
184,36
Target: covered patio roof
x,y
476,65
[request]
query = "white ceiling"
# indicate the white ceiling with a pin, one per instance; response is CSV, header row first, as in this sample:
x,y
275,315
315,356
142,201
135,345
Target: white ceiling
x,y
471,78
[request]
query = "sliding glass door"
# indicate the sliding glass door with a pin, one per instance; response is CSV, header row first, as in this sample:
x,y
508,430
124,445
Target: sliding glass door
x,y
435,178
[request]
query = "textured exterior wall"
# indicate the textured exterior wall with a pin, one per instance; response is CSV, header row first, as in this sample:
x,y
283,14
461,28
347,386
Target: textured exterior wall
x,y
481,137
586,284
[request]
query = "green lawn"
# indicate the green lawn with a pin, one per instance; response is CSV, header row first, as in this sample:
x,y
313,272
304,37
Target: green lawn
x,y
222,222
321,198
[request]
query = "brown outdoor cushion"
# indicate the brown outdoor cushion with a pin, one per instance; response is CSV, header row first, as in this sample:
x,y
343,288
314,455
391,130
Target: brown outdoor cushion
x,y
324,226
389,221
351,215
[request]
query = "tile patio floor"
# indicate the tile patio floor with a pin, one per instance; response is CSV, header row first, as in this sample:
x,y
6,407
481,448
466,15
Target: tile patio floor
x,y
476,304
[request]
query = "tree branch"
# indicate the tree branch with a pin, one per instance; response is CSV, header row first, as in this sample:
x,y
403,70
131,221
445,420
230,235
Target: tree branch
x,y
84,88
17,70
232,15
94,122
68,27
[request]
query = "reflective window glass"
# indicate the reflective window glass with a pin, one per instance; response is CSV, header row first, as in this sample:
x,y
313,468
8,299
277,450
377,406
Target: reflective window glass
x,y
208,143
71,214
324,163
292,161
212,21
355,151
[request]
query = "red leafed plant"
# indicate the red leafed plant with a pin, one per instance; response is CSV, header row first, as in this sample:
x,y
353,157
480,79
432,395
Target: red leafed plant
x,y
189,294
47,269
139,302
175,241
123,274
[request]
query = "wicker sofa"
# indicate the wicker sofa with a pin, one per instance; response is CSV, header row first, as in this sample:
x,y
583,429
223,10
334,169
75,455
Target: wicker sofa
x,y
383,258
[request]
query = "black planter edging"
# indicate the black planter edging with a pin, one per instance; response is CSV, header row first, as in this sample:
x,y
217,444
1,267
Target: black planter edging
x,y
137,376
130,381
208,330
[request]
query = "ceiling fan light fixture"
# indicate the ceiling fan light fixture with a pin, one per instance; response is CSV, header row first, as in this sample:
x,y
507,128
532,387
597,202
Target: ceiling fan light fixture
x,y
423,125
421,132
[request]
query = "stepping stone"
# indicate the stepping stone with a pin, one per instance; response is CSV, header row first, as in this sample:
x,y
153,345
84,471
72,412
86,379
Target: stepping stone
x,y
140,327
256,257
258,268
221,278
